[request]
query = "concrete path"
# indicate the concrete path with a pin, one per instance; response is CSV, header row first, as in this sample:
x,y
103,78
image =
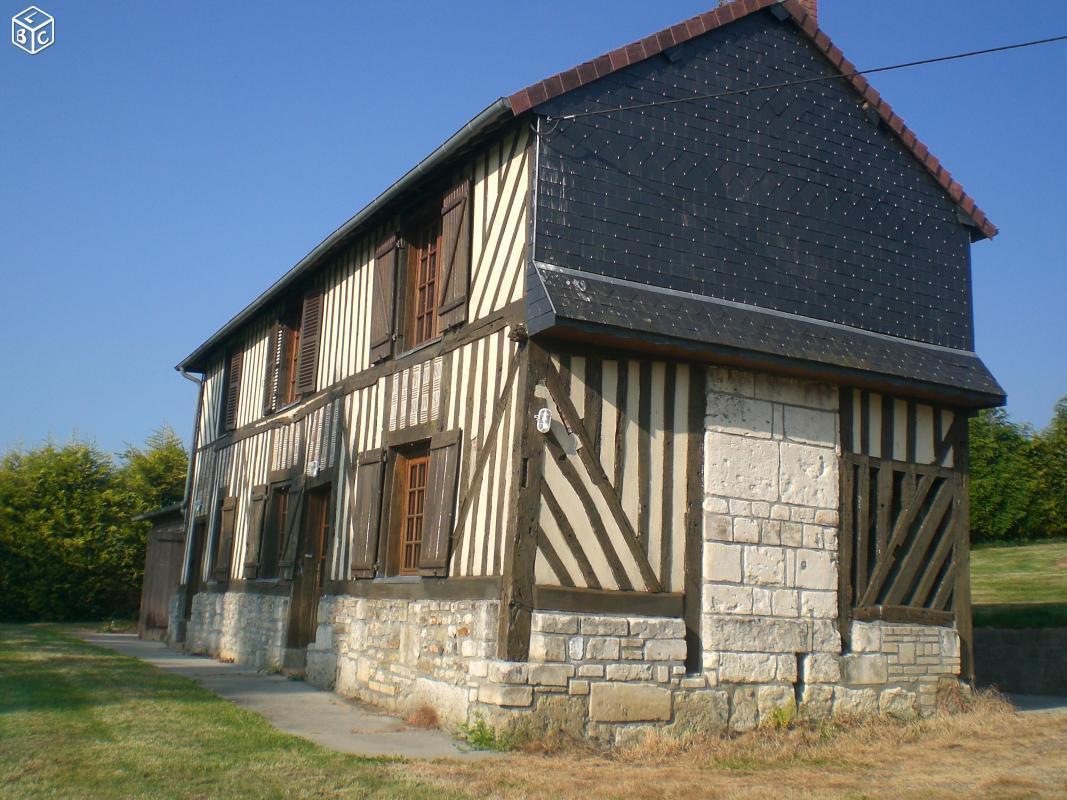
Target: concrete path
x,y
294,706
1038,702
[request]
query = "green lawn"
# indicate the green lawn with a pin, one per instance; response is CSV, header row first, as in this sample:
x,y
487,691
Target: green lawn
x,y
1020,587
77,721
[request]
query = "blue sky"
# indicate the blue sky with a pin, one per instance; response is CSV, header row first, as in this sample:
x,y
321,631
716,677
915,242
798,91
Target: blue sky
x,y
162,163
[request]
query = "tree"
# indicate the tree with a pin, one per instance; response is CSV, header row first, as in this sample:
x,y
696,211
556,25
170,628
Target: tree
x,y
69,547
1003,489
1050,473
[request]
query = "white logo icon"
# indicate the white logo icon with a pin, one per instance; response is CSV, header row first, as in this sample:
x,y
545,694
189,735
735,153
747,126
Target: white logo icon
x,y
33,30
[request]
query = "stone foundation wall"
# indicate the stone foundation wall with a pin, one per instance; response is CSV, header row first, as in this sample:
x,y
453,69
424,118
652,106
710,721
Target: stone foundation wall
x,y
242,627
401,654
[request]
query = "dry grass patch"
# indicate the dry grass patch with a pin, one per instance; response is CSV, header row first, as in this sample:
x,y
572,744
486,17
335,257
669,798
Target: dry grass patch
x,y
982,748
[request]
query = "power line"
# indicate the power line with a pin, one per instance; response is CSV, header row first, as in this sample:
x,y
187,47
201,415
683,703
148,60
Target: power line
x,y
820,79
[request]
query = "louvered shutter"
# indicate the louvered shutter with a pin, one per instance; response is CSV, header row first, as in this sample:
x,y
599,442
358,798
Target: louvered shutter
x,y
310,325
287,550
440,503
456,256
369,470
254,538
233,389
272,374
383,299
223,553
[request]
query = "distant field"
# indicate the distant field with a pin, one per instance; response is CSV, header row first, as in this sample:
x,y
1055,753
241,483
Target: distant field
x,y
1020,587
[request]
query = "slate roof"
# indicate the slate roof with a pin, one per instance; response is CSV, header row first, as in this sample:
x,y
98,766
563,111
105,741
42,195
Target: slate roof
x,y
571,79
706,325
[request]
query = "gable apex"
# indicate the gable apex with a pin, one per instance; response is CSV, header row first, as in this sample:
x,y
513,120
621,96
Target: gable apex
x,y
657,43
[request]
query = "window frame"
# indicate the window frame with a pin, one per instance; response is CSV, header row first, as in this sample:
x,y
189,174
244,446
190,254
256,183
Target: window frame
x,y
424,230
395,532
273,531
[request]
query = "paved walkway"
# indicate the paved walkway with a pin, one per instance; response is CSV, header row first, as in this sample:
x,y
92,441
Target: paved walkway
x,y
294,706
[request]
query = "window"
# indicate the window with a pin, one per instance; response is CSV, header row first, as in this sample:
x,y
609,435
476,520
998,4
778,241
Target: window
x,y
411,522
231,391
274,531
292,353
423,283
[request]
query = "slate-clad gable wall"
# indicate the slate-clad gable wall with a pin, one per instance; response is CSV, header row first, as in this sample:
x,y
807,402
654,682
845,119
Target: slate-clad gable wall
x,y
795,200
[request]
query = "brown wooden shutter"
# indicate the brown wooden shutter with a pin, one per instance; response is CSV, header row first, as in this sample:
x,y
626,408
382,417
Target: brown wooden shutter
x,y
440,503
383,299
456,249
310,324
224,550
233,389
369,470
287,548
272,374
254,539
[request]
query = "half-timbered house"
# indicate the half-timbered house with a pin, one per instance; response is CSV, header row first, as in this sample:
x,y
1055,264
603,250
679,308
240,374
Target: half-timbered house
x,y
642,399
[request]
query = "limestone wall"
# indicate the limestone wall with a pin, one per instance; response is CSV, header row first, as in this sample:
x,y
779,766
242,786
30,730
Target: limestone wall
x,y
242,627
401,654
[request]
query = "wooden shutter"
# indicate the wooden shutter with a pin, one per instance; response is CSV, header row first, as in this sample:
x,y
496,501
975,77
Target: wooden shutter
x,y
272,374
254,538
440,503
287,548
369,470
383,299
224,550
310,324
233,389
456,256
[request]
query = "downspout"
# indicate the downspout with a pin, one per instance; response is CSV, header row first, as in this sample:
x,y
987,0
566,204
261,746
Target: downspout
x,y
178,636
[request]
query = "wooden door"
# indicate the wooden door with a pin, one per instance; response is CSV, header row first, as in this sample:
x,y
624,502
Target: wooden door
x,y
195,578
309,568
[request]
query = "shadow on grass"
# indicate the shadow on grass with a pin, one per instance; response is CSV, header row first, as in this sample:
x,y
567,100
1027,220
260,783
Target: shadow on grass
x,y
1021,615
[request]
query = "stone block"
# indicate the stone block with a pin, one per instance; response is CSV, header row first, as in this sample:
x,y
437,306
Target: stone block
x,y
761,601
792,534
818,604
723,380
808,476
810,426
785,603
740,416
794,392
855,702
746,530
716,505
547,647
665,650
507,696
747,668
744,711
866,637
757,634
822,668
700,712
816,569
771,698
629,672
578,688
741,467
550,674
624,702
554,623
727,599
867,669
722,562
896,702
591,671
718,527
602,649
576,648
657,627
816,702
949,643
764,566
604,626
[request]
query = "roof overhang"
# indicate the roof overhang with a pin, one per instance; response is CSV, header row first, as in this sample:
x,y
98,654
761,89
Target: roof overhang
x,y
610,312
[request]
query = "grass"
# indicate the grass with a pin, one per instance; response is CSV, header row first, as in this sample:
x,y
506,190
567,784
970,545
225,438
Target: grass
x,y
979,748
81,722
1022,586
